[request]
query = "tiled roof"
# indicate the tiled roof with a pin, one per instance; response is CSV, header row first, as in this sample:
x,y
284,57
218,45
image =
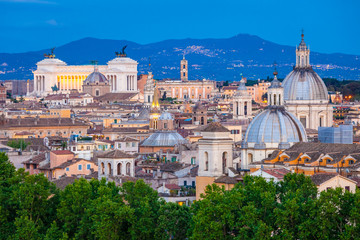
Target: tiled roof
x,y
226,179
115,97
115,154
277,172
61,183
40,122
215,127
320,178
36,159
62,152
171,167
172,186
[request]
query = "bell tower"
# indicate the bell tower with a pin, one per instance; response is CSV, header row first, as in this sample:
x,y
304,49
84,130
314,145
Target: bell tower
x,y
242,102
184,70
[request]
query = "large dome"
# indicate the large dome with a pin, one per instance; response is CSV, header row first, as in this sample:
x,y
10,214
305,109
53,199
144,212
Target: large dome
x,y
163,139
96,77
274,125
304,84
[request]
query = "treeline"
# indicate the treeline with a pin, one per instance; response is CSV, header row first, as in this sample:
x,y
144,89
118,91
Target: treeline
x,y
31,207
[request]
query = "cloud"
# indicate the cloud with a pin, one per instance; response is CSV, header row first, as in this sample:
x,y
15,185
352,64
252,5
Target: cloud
x,y
52,22
29,1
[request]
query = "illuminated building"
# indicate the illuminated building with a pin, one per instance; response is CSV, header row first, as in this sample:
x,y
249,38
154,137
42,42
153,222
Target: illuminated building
x,y
121,72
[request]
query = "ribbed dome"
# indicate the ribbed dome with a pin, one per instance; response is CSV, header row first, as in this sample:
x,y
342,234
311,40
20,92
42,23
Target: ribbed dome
x,y
163,139
275,125
96,77
166,116
304,84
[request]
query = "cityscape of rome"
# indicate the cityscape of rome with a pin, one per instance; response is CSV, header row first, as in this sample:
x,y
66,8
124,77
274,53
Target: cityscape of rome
x,y
179,120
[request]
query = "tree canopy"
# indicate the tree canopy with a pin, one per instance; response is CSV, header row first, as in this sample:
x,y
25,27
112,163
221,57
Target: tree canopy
x,y
31,207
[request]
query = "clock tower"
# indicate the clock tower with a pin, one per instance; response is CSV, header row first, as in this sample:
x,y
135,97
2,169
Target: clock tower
x,y
184,70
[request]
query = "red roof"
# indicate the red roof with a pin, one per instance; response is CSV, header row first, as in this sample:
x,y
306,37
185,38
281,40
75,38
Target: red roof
x,y
172,186
277,172
62,152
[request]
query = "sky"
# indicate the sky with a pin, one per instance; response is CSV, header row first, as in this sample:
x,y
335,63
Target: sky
x,y
330,26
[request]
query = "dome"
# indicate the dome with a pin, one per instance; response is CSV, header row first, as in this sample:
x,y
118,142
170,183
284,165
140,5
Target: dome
x,y
166,116
163,139
96,77
275,125
304,84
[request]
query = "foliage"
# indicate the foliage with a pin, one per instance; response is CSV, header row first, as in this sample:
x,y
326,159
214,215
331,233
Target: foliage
x,y
18,144
31,207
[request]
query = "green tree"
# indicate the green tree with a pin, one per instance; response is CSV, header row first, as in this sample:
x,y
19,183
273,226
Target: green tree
x,y
174,222
18,144
146,204
295,216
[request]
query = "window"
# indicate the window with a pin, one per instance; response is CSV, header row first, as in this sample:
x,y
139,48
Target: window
x,y
87,147
193,160
74,149
67,169
102,168
347,188
119,169
79,167
119,145
34,166
27,166
173,159
133,144
193,183
165,126
115,120
127,144
79,132
185,183
88,166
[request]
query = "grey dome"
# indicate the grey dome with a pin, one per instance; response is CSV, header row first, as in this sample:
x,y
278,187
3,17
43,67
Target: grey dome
x,y
163,139
275,125
304,84
166,116
96,77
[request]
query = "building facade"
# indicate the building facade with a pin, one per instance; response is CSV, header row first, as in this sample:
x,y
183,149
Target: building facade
x,y
121,72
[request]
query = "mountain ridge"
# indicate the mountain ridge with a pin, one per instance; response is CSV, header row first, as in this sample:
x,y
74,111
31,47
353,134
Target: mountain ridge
x,y
211,58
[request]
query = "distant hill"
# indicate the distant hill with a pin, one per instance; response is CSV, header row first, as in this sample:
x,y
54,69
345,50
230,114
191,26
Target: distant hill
x,y
217,59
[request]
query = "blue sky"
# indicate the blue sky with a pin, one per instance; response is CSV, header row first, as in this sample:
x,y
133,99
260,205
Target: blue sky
x,y
330,26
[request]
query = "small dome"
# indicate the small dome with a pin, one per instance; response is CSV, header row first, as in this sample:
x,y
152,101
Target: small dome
x,y
163,139
304,84
275,125
166,116
96,77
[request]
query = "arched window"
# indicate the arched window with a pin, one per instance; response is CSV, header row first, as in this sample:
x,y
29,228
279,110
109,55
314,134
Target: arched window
x,y
102,168
202,121
206,161
250,157
109,169
119,169
224,160
128,169
97,92
149,99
